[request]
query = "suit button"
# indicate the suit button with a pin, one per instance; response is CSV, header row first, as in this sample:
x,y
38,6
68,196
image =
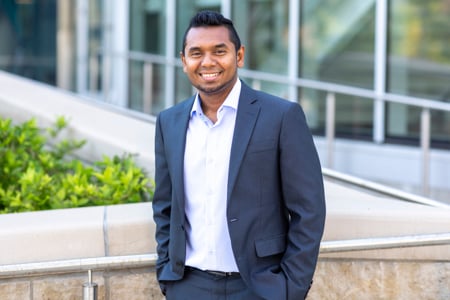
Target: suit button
x,y
233,220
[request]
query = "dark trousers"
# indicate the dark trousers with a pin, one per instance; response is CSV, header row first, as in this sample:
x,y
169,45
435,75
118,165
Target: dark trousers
x,y
200,285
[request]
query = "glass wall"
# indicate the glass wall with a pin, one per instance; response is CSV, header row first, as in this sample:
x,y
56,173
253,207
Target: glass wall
x,y
28,39
147,26
264,30
147,35
336,42
418,66
95,31
337,46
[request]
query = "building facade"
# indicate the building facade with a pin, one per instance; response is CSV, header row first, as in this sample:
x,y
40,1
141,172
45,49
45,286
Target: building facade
x,y
373,70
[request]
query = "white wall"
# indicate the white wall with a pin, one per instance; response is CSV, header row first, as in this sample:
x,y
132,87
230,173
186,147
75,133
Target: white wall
x,y
107,129
394,165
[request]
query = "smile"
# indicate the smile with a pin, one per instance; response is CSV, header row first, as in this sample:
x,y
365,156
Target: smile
x,y
209,75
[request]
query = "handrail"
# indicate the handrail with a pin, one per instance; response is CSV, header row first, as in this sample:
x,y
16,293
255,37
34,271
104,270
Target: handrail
x,y
385,243
78,265
300,82
149,260
383,189
376,96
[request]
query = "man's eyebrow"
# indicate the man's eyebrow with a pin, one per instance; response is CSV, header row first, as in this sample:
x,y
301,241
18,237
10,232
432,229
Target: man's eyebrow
x,y
222,45
195,48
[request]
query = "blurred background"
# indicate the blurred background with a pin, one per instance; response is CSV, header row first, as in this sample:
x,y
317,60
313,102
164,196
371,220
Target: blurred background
x,y
373,76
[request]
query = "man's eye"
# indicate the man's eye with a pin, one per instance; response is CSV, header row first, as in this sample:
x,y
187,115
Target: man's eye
x,y
220,52
195,54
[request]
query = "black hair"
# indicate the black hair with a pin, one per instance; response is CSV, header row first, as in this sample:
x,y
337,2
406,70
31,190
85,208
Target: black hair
x,y
212,18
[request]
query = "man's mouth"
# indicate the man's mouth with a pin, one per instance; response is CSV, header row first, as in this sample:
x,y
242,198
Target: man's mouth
x,y
209,76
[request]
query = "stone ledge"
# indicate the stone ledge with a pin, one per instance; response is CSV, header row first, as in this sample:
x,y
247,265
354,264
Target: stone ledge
x,y
129,229
357,214
76,233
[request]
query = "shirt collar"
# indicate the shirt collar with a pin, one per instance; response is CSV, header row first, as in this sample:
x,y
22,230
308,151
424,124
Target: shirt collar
x,y
231,100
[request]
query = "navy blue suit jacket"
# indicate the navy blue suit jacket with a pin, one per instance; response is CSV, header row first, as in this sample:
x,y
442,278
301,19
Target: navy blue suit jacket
x,y
275,201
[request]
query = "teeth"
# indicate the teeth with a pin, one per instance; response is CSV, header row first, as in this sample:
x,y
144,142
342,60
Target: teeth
x,y
210,75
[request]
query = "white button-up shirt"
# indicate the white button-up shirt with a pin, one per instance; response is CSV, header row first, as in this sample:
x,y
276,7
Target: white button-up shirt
x,y
206,162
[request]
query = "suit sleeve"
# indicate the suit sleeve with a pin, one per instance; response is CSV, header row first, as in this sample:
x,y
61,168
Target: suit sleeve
x,y
303,193
161,199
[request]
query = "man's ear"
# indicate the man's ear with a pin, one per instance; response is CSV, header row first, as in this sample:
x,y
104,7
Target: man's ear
x,y
240,57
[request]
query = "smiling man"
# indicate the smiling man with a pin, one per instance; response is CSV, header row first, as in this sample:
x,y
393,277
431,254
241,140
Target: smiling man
x,y
239,203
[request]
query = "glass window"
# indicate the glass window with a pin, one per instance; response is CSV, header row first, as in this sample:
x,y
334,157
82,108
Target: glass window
x,y
29,27
146,87
337,45
337,41
418,65
419,52
263,28
94,46
353,115
146,84
147,26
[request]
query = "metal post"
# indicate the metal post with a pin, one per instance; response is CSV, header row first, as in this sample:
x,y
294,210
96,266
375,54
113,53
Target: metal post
x,y
293,48
148,88
425,145
90,288
381,17
170,67
330,124
82,23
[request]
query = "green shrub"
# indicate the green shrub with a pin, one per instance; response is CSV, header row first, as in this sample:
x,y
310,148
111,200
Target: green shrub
x,y
37,176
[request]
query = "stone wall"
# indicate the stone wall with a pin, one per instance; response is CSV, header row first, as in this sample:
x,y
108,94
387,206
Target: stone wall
x,y
380,280
126,284
334,279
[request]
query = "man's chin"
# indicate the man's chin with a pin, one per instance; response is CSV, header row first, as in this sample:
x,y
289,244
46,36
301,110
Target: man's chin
x,y
210,90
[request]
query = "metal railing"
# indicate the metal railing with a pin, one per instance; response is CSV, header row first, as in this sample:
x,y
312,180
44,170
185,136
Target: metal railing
x,y
77,265
90,288
382,189
332,89
150,60
385,243
149,260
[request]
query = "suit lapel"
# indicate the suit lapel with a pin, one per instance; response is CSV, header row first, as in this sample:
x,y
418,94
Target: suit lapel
x,y
247,114
178,130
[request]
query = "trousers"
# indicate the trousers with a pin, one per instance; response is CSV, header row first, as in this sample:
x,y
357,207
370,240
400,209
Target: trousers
x,y
201,285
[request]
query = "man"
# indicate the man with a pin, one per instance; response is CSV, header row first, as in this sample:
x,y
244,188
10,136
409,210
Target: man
x,y
239,204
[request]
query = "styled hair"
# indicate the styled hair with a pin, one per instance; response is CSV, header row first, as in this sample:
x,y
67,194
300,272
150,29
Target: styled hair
x,y
212,18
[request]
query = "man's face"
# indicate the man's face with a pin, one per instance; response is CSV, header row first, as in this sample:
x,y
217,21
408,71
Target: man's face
x,y
210,60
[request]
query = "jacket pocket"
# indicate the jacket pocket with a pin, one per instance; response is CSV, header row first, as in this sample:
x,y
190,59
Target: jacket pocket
x,y
270,246
261,146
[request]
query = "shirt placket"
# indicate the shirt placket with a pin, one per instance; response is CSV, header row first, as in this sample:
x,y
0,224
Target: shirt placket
x,y
210,162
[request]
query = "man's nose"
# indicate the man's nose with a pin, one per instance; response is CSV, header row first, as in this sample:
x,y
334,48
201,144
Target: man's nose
x,y
208,59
